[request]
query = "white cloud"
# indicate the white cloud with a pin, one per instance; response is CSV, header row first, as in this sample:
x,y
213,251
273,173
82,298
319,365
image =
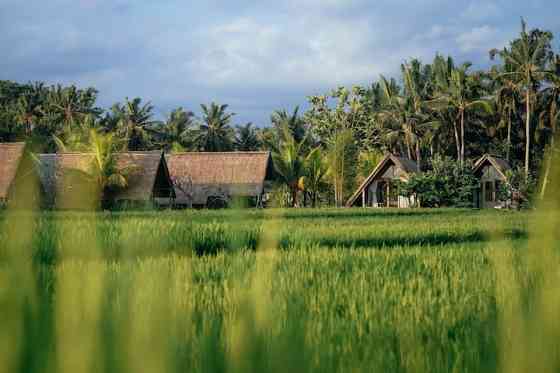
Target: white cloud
x,y
479,39
301,51
479,10
256,55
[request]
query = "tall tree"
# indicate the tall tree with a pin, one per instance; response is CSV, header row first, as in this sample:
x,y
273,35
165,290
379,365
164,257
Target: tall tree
x,y
401,120
177,132
246,138
289,163
507,100
524,62
215,133
134,123
27,112
282,119
462,95
342,159
70,105
316,172
549,118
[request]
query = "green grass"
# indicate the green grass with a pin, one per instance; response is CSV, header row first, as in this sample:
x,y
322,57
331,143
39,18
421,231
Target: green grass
x,y
275,290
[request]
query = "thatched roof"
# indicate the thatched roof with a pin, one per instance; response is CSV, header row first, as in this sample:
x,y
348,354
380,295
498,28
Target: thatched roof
x,y
501,165
407,167
11,155
227,174
144,168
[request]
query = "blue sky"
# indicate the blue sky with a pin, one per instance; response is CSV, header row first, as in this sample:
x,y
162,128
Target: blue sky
x,y
256,56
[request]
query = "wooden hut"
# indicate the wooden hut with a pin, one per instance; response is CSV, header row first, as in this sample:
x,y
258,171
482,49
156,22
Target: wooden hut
x,y
379,189
204,179
492,173
18,176
64,177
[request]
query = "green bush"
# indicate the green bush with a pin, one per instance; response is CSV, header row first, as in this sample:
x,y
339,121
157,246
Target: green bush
x,y
446,184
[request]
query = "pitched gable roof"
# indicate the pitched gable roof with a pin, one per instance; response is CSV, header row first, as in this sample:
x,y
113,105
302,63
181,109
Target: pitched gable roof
x,y
408,167
501,165
220,173
144,171
143,167
11,155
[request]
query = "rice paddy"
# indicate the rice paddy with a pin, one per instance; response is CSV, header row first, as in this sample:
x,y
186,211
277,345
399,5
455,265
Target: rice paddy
x,y
279,290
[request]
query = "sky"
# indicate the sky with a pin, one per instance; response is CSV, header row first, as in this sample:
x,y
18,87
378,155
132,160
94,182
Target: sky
x,y
256,56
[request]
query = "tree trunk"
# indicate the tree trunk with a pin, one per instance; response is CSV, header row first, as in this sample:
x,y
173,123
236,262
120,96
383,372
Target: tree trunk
x,y
462,160
409,153
508,138
548,167
294,197
457,144
418,156
527,134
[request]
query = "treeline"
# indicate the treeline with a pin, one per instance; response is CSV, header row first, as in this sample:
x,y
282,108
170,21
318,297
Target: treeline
x,y
441,110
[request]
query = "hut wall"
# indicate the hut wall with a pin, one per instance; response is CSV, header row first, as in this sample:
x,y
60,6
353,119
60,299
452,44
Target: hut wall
x,y
490,179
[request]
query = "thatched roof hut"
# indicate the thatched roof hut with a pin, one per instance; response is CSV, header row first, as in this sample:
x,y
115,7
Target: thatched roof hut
x,y
10,157
492,173
377,190
17,173
148,176
201,176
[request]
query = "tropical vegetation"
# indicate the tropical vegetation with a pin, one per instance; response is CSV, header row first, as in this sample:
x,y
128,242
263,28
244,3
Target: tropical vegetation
x,y
435,109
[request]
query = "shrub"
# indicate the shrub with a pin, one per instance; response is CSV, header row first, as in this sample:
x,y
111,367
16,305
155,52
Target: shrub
x,y
446,184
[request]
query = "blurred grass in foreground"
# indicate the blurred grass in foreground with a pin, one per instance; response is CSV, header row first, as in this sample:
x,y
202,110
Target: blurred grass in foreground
x,y
298,291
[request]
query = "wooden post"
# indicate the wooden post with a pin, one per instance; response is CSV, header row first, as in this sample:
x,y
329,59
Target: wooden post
x,y
388,198
364,198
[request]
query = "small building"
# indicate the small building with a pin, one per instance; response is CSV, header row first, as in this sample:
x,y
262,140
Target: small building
x,y
492,173
204,179
18,176
379,188
64,177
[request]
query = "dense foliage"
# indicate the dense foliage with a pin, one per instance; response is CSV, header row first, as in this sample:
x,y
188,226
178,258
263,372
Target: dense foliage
x,y
437,109
446,183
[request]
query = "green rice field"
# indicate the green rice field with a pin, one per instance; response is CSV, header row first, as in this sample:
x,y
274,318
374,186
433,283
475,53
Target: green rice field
x,y
326,290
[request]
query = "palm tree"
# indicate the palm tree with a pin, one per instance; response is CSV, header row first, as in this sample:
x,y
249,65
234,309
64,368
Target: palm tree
x,y
134,123
79,137
71,104
103,174
342,159
507,99
289,163
462,95
107,177
401,120
282,119
416,88
27,110
215,133
316,171
524,64
247,138
549,119
176,133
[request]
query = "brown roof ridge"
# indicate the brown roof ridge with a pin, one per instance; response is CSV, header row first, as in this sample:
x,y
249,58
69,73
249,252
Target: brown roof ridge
x,y
140,152
147,152
18,143
232,152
